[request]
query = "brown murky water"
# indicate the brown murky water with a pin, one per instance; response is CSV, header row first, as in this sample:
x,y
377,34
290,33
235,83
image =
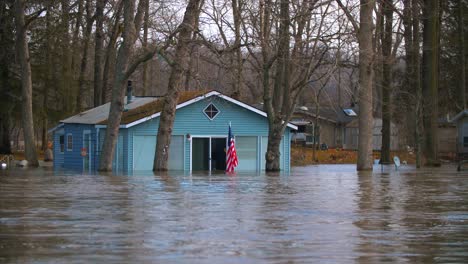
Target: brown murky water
x,y
326,214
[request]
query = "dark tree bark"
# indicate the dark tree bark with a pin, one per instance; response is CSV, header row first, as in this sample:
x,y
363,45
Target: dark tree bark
x,y
461,35
145,45
111,52
80,102
430,79
6,60
98,52
67,83
387,80
26,84
179,66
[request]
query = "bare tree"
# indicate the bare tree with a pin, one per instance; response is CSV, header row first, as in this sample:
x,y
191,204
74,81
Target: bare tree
x,y
430,79
175,85
22,49
364,31
123,69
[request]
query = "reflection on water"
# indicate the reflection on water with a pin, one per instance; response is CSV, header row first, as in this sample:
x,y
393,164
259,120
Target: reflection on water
x,y
326,214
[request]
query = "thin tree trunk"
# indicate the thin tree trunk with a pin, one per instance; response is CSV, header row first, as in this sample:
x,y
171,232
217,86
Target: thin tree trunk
x,y
387,80
80,101
76,39
145,44
166,121
430,80
111,53
98,52
26,84
67,83
236,14
366,75
461,35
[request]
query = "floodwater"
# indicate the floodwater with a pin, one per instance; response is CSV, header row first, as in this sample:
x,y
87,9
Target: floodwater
x,y
316,214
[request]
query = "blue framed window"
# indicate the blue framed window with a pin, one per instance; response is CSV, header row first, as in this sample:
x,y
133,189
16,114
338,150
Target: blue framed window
x,y
69,142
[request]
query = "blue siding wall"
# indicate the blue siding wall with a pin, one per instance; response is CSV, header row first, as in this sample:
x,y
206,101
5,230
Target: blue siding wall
x,y
72,159
58,155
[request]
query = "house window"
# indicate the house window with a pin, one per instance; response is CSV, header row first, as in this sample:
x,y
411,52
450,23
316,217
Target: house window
x,y
465,142
211,111
69,142
62,143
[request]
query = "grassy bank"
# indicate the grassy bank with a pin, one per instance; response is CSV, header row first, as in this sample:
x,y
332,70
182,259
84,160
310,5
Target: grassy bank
x,y
301,156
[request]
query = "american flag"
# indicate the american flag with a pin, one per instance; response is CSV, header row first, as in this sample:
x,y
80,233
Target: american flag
x,y
231,155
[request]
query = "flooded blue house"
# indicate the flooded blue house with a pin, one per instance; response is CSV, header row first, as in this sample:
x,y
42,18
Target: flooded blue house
x,y
199,136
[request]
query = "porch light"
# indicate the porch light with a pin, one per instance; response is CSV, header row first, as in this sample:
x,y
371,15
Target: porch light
x,y
189,137
4,166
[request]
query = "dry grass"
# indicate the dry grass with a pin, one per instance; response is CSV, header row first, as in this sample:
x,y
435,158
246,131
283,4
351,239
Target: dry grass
x,y
301,156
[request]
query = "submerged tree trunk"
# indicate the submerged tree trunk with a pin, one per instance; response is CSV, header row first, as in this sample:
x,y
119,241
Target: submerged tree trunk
x,y
387,80
26,84
279,97
166,122
430,79
366,75
132,25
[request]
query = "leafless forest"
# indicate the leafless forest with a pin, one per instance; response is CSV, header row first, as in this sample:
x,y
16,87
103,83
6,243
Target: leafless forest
x,y
400,60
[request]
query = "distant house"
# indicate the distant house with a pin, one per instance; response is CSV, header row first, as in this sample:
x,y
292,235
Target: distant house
x,y
352,134
304,135
198,139
338,128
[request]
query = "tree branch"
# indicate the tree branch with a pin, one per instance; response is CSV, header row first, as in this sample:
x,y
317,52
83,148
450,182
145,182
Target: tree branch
x,y
349,16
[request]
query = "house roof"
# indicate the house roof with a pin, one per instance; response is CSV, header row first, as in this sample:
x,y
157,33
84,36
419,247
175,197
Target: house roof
x,y
99,114
460,115
142,109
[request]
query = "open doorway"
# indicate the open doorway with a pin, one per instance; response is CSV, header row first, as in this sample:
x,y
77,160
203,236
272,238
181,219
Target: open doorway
x,y
208,153
218,154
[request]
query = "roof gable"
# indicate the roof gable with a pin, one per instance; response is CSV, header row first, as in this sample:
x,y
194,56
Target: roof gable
x,y
460,115
147,108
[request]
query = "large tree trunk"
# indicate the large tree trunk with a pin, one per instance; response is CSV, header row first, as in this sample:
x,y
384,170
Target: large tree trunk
x,y
413,76
430,79
387,80
26,84
166,121
366,75
99,52
6,60
132,25
280,96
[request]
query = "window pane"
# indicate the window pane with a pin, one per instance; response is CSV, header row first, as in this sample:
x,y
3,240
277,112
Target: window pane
x,y
176,153
246,148
62,143
211,111
69,142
